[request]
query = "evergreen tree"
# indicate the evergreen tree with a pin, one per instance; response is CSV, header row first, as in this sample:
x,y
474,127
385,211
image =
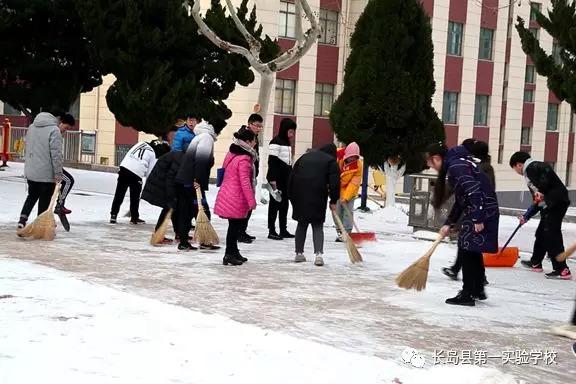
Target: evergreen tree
x,y
560,66
46,61
386,104
163,67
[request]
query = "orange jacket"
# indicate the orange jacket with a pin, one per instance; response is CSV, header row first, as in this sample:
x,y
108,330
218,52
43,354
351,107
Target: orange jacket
x,y
350,179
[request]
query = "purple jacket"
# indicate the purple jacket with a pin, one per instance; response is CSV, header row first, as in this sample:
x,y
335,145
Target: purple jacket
x,y
475,199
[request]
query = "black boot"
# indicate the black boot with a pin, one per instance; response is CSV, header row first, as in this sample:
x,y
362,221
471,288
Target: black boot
x,y
272,235
244,238
450,273
231,259
462,298
481,295
286,235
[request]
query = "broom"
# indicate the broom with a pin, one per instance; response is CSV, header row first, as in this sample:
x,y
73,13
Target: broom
x,y
416,275
158,236
566,254
43,227
353,253
204,232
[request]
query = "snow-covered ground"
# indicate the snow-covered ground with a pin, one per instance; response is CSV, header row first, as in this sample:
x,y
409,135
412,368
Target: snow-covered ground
x,y
100,305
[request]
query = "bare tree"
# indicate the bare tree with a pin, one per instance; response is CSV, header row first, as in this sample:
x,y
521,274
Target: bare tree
x,y
305,41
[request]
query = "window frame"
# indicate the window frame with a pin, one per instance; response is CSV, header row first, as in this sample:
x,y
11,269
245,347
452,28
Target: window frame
x,y
446,111
532,71
534,6
319,95
531,99
483,122
459,39
528,142
283,90
548,121
9,110
324,21
481,47
287,10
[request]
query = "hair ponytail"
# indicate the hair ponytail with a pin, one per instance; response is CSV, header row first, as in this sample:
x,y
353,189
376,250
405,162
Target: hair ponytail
x,y
440,193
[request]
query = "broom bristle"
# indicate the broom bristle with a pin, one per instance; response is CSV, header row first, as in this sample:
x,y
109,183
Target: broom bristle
x,y
44,226
158,236
204,233
353,253
416,275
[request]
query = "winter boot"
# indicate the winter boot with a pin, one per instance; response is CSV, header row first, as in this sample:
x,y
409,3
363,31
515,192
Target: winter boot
x,y
272,235
533,267
565,330
319,261
239,256
244,238
113,219
232,259
462,298
450,273
560,275
186,247
299,258
286,235
480,296
137,221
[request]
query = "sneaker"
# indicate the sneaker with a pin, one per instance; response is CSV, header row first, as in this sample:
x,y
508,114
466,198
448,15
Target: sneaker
x,y
274,236
137,221
560,275
339,239
450,273
244,238
186,247
232,260
533,267
462,298
112,219
319,261
62,210
209,247
300,258
565,330
22,223
286,235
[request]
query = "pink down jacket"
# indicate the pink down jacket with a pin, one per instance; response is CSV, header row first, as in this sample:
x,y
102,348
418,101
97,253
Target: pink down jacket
x,y
236,195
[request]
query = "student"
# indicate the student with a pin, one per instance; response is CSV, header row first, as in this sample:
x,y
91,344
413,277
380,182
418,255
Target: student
x,y
185,134
475,199
43,162
136,165
236,197
67,122
194,173
551,200
279,169
350,181
255,125
314,180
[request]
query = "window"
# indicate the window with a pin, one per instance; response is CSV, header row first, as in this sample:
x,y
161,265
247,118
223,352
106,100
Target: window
x,y
287,20
88,143
530,73
534,8
285,96
556,53
535,32
10,110
552,120
450,108
486,38
481,110
329,23
528,96
568,174
324,98
455,38
526,136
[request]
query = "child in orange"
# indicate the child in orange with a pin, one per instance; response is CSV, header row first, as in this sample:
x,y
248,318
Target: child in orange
x,y
350,180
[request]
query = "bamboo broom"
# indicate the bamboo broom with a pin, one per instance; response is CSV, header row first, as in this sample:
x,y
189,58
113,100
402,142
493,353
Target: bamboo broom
x,y
159,235
416,275
353,254
43,227
566,254
204,233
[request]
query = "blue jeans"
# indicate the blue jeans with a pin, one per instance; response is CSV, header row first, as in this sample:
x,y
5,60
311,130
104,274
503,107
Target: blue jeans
x,y
346,216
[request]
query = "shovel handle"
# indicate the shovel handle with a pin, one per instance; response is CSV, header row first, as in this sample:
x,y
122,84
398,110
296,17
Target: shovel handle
x,y
510,238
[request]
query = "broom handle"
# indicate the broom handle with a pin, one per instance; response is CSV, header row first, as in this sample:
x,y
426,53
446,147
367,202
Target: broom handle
x,y
567,253
54,197
351,217
340,225
199,198
510,238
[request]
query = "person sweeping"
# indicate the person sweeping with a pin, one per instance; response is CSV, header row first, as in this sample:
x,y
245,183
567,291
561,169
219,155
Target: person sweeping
x,y
350,181
475,199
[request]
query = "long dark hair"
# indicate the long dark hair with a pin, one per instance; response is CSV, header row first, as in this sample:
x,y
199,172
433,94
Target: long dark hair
x,y
478,149
440,194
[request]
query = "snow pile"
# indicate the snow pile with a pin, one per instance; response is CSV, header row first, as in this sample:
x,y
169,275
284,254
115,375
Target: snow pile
x,y
394,214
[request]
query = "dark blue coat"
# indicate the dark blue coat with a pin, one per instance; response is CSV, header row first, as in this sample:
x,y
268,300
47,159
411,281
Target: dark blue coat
x,y
475,200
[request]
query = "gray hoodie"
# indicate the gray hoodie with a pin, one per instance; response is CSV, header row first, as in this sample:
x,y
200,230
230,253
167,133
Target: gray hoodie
x,y
43,149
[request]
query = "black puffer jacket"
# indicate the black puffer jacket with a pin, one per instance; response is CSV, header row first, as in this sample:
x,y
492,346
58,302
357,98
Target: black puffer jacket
x,y
159,189
315,178
544,178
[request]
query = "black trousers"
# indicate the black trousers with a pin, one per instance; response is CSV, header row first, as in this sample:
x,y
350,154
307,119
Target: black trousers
x,y
187,209
280,210
174,219
127,179
40,193
244,225
317,237
549,238
472,271
234,226
66,185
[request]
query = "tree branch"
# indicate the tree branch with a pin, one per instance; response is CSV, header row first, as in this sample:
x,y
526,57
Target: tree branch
x,y
298,24
253,43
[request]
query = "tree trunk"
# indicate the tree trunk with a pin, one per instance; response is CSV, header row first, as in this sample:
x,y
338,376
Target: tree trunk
x,y
392,175
266,82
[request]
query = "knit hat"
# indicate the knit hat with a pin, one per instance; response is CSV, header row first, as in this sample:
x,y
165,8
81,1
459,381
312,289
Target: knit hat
x,y
352,149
